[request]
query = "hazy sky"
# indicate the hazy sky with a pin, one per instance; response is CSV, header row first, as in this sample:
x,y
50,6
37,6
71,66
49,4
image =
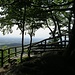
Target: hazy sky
x,y
41,33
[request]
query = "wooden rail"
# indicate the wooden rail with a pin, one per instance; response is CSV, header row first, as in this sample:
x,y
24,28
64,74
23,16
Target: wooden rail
x,y
41,46
10,53
48,45
52,47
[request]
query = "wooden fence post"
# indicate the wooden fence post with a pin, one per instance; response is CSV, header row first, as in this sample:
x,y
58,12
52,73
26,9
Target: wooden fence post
x,y
2,58
29,52
45,46
8,55
15,51
65,39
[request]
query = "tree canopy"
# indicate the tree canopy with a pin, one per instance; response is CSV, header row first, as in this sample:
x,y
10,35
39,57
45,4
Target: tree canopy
x,y
33,14
12,12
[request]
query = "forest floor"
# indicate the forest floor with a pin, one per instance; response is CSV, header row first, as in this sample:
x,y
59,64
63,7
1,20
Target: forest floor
x,y
48,64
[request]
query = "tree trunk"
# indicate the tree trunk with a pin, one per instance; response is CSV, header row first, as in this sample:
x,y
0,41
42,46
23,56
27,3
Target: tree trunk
x,y
30,43
53,32
71,46
23,32
22,45
60,35
69,26
30,46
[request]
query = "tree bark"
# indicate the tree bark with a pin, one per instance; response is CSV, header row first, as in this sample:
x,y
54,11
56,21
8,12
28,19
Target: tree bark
x,y
59,31
71,46
54,31
30,43
69,25
23,32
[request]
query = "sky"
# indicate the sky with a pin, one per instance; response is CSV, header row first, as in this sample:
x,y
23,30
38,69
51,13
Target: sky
x,y
40,33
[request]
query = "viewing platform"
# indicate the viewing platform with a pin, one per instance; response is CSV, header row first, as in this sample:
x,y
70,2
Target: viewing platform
x,y
36,49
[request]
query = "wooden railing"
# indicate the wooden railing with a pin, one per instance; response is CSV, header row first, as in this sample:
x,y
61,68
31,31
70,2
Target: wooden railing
x,y
41,46
11,53
47,45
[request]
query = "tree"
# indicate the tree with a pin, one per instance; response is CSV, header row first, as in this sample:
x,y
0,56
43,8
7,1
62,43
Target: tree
x,y
16,13
59,16
32,26
11,14
71,46
19,11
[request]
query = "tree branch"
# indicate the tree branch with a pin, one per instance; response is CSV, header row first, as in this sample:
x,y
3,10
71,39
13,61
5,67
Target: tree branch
x,y
66,9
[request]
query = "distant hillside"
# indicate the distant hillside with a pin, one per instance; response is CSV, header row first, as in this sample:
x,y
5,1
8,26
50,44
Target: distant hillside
x,y
11,42
11,45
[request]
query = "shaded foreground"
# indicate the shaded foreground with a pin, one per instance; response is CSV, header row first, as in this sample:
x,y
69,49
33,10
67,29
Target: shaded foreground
x,y
48,64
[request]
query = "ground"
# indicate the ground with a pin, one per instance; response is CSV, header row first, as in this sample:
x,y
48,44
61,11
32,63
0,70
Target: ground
x,y
46,65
